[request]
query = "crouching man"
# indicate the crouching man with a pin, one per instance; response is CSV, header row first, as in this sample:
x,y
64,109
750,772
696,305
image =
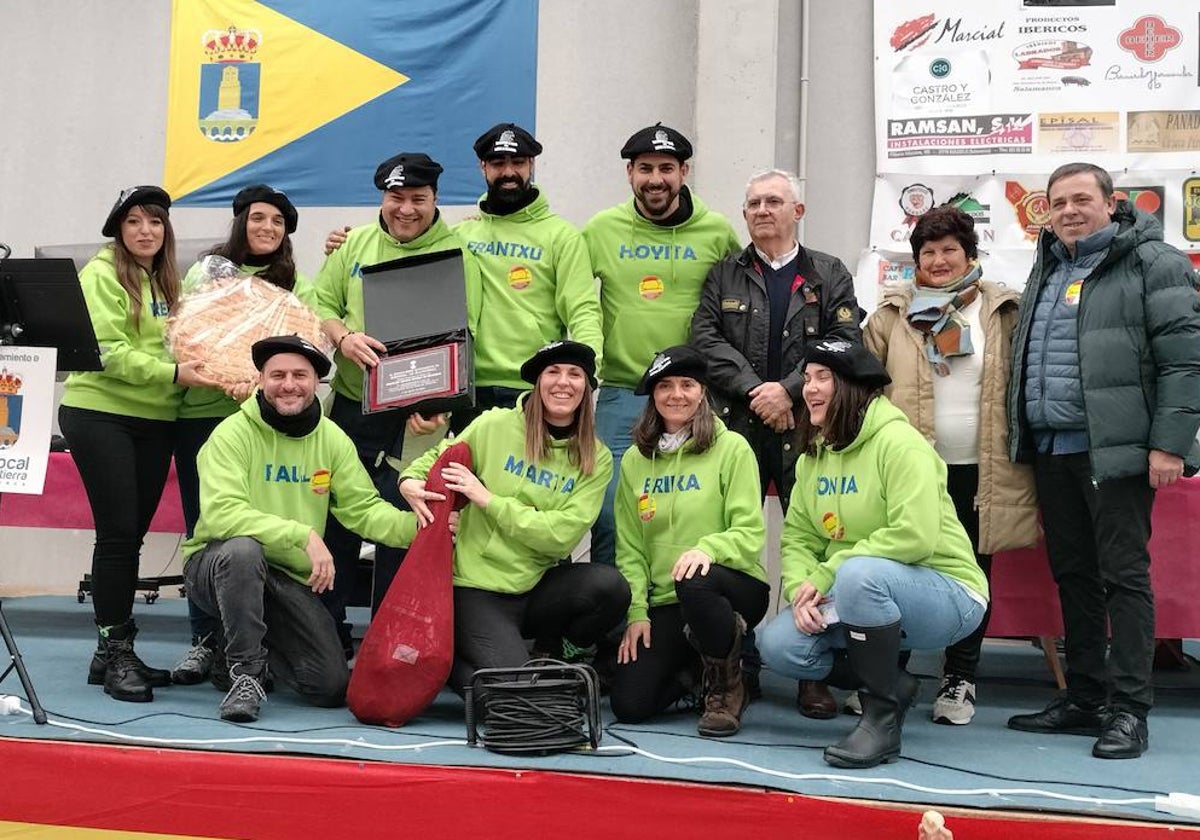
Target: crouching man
x,y
269,475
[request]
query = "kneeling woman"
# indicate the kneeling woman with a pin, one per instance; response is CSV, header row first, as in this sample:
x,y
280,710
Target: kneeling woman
x,y
535,490
689,538
871,540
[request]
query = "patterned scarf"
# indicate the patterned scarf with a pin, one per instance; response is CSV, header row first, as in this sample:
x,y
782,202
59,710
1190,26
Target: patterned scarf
x,y
937,315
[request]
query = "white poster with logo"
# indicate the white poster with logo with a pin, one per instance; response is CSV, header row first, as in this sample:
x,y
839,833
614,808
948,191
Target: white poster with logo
x,y
26,404
978,103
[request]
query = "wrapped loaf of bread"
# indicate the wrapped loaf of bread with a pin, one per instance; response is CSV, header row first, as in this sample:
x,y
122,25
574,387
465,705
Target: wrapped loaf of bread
x,y
227,312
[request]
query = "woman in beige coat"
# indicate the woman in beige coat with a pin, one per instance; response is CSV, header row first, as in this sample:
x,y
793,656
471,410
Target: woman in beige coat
x,y
947,344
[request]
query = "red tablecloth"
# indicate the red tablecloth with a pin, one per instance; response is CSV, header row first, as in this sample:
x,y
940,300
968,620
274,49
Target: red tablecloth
x,y
1025,599
64,504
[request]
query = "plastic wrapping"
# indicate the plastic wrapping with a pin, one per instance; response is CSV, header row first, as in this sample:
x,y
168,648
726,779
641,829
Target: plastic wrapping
x,y
227,312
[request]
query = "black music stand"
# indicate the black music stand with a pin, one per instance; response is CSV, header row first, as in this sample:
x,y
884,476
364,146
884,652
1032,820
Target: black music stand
x,y
42,305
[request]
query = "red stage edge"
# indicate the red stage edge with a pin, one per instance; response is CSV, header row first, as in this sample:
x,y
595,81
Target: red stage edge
x,y
226,795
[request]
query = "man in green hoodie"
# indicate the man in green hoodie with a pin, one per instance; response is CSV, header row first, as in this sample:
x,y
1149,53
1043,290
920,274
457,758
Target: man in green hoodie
x,y
409,224
651,254
270,476
537,281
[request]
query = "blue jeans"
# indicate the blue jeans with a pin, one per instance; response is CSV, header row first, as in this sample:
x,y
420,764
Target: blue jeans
x,y
617,409
933,610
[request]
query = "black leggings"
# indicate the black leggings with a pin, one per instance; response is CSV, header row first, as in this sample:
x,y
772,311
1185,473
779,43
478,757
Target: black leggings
x,y
123,462
643,688
962,483
579,602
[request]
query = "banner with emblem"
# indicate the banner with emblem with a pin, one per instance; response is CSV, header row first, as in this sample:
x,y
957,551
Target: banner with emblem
x,y
311,97
26,417
978,103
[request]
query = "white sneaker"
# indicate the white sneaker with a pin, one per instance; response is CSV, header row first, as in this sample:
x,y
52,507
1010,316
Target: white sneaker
x,y
955,701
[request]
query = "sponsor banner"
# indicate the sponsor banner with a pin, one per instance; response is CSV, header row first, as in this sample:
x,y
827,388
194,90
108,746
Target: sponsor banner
x,y
1010,209
26,404
1024,87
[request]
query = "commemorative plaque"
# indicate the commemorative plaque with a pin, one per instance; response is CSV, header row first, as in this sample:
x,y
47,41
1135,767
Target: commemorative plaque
x,y
417,306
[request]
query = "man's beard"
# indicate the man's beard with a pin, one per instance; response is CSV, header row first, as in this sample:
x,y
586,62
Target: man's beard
x,y
507,191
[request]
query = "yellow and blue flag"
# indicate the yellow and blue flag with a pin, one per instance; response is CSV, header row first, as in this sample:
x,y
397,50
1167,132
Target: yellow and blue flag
x,y
311,96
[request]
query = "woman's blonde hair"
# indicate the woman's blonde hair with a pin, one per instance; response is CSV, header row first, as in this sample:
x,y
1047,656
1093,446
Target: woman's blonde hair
x,y
164,273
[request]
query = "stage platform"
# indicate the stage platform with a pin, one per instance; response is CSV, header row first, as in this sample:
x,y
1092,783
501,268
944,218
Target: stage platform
x,y
172,767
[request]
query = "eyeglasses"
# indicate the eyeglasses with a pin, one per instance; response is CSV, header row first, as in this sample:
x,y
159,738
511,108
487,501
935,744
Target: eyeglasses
x,y
771,202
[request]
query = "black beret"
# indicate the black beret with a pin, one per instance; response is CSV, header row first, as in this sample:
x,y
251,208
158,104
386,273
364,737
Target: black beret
x,y
408,169
268,347
560,353
850,360
130,197
506,140
268,195
680,360
657,139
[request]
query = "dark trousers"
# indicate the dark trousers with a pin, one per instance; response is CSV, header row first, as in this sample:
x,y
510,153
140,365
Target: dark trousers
x,y
486,396
647,686
269,617
962,481
375,437
579,602
190,435
123,462
768,448
1096,537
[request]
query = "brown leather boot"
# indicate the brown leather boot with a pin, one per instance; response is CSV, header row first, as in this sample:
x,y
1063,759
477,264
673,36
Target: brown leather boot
x,y
815,700
725,696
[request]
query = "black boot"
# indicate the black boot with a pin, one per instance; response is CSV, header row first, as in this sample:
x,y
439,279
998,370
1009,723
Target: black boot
x,y
123,676
155,677
872,653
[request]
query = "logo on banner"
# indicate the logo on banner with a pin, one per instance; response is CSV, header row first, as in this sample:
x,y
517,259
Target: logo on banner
x,y
1191,210
912,33
969,204
893,272
1053,55
229,89
1031,206
1078,132
1148,199
915,200
10,408
1150,38
976,135
917,32
1163,131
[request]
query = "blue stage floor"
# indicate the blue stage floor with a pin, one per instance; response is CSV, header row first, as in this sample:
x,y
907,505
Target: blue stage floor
x,y
983,765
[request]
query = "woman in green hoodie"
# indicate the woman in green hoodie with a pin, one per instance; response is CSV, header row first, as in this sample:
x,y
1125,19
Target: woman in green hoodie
x,y
534,490
260,242
120,421
689,538
874,557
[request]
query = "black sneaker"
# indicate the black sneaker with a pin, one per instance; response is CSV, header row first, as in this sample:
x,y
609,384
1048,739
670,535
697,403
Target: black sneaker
x,y
1125,735
246,694
197,663
1062,717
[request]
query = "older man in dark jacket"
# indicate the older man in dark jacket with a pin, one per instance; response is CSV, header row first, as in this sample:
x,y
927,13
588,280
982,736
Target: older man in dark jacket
x,y
1105,402
759,310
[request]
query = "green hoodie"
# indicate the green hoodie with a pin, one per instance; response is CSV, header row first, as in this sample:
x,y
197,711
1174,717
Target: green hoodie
x,y
138,379
650,281
538,513
537,287
213,402
339,284
672,503
257,482
884,495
